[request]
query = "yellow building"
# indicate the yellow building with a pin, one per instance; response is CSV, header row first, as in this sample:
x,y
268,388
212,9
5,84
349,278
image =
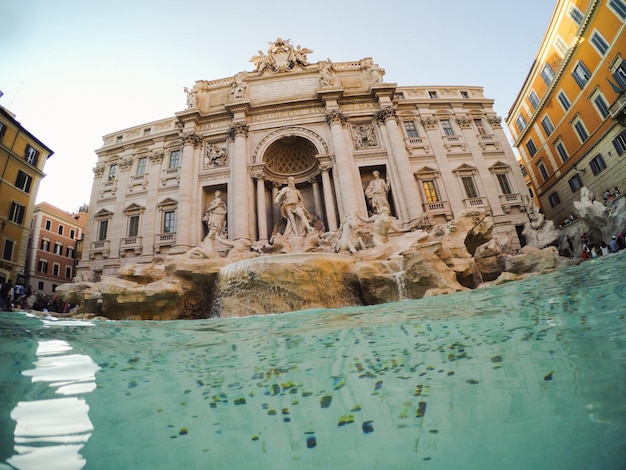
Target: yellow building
x,y
568,119
22,159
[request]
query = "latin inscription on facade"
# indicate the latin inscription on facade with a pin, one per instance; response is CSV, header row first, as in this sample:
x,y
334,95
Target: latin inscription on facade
x,y
299,87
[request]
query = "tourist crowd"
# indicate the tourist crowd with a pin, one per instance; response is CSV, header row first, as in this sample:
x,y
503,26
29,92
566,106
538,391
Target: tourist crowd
x,y
16,296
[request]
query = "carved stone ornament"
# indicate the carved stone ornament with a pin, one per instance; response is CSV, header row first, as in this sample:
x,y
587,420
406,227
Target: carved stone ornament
x,y
281,57
430,122
335,117
239,86
126,164
386,113
98,171
464,122
364,136
495,121
239,129
156,157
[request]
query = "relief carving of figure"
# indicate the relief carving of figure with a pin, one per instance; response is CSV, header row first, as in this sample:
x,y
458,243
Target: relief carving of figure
x,y
292,209
365,136
376,193
215,156
239,86
215,215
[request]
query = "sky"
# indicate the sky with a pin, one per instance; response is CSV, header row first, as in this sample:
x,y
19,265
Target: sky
x,y
73,71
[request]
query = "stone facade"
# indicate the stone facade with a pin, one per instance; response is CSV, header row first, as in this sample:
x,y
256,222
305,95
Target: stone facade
x,y
329,126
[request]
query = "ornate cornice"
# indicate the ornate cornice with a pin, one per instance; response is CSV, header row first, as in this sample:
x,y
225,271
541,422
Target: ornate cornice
x,y
191,138
386,113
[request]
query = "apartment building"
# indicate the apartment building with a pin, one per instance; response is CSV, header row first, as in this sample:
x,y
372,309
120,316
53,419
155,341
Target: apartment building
x,y
22,160
568,120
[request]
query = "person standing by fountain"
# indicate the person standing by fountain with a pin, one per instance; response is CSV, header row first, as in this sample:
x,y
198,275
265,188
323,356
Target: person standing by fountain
x,y
376,193
215,215
292,209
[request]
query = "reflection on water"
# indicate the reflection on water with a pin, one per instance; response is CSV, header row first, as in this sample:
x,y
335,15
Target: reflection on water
x,y
528,374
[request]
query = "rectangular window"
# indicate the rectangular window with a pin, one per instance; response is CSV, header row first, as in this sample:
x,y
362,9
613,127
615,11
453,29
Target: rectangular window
x,y
560,147
103,227
597,164
599,43
447,127
58,249
60,230
17,213
42,266
576,15
619,7
69,252
581,74
523,170
133,226
601,105
141,165
580,130
521,123
72,233
7,253
531,147
469,186
68,272
3,129
174,159
620,143
534,99
479,126
432,94
547,125
56,268
543,170
112,172
505,186
554,199
430,190
411,130
547,74
575,183
31,155
564,100
23,181
48,225
45,244
169,219
561,46
619,74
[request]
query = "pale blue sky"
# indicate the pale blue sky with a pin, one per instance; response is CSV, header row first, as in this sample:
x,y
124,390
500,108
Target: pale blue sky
x,y
75,70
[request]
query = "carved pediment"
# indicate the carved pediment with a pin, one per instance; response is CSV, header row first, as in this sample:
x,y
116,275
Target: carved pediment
x,y
426,172
167,202
465,168
499,166
134,208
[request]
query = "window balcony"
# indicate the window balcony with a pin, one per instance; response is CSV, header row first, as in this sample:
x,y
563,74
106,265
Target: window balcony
x,y
100,248
618,109
454,143
134,244
475,202
510,200
164,240
436,208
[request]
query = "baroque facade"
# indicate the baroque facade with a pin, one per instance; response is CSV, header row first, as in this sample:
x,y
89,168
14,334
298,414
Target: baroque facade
x,y
328,129
568,120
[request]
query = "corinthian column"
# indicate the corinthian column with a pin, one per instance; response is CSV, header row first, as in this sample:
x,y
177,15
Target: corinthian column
x,y
185,223
351,192
238,185
261,208
329,201
410,206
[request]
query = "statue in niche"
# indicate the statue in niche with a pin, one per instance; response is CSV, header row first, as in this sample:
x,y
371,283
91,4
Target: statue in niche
x,y
383,222
192,97
215,216
326,73
215,156
239,86
376,193
292,209
364,136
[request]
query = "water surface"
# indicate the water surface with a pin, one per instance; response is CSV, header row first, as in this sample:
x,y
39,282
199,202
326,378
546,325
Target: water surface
x,y
530,374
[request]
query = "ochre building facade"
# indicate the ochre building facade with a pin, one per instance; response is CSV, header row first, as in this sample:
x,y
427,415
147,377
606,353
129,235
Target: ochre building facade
x,y
330,127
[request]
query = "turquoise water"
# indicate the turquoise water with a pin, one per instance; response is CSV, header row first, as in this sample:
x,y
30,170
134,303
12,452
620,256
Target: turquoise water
x,y
530,374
